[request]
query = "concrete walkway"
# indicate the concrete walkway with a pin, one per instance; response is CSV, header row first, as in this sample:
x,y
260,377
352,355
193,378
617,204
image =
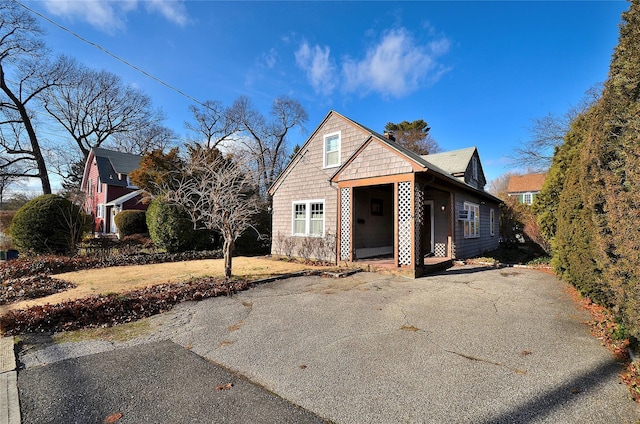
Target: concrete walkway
x,y
9,404
469,345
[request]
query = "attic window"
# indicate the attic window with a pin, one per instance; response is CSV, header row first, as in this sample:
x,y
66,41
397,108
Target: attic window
x,y
332,150
474,167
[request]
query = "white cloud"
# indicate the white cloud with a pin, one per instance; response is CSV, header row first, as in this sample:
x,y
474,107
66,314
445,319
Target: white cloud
x,y
174,11
269,59
317,64
393,67
396,66
110,15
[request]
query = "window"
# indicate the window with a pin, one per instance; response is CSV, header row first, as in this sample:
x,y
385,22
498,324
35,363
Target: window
x,y
474,167
308,218
492,222
472,226
332,150
527,198
99,210
99,185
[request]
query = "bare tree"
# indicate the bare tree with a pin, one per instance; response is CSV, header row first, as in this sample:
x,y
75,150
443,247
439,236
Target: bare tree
x,y
24,74
265,142
144,140
217,195
211,124
95,105
548,132
9,175
499,186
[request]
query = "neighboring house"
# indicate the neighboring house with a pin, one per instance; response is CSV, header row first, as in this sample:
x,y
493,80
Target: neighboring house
x,y
525,187
107,189
350,193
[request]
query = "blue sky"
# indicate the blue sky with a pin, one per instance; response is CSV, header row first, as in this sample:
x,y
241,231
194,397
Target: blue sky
x,y
477,72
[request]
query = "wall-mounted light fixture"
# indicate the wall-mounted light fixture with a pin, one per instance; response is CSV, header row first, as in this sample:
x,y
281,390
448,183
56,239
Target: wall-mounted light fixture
x,y
443,207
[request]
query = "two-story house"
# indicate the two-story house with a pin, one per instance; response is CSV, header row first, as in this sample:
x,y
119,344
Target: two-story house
x,y
107,189
350,193
525,187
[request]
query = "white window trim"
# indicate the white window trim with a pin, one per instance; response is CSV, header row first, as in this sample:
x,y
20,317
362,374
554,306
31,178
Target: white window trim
x,y
492,221
530,199
99,185
307,224
476,221
324,149
100,210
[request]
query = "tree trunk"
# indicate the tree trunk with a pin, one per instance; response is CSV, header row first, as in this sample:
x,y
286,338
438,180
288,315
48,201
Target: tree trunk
x,y
227,251
36,152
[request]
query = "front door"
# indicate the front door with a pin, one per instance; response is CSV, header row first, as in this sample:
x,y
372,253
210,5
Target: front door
x,y
113,228
427,234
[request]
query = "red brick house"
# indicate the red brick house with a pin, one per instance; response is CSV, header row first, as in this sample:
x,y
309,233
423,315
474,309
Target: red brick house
x,y
107,189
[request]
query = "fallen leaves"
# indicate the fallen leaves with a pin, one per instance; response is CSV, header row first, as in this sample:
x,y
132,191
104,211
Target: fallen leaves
x,y
223,387
110,419
17,289
603,327
236,326
113,309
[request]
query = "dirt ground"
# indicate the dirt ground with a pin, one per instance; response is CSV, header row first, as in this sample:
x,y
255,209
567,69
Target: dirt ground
x,y
126,278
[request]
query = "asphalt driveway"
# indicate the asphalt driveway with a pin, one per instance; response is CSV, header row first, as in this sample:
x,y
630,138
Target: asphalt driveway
x,y
469,345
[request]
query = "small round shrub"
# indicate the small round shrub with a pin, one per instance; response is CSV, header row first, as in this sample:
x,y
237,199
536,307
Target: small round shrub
x,y
48,224
131,222
171,229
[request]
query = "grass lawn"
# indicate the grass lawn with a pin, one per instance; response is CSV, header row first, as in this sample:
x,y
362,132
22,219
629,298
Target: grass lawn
x,y
126,278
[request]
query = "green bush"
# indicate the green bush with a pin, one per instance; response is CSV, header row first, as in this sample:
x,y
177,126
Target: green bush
x,y
131,222
171,229
256,240
48,224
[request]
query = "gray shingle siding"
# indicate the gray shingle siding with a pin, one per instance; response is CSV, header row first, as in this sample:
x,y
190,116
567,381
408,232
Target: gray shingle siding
x,y
469,247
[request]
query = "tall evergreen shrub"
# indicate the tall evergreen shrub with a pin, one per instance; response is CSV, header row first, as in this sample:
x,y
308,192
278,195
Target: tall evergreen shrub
x,y
597,239
48,224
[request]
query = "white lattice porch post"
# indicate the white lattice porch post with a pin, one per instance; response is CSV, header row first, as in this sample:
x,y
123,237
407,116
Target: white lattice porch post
x,y
345,224
418,205
405,214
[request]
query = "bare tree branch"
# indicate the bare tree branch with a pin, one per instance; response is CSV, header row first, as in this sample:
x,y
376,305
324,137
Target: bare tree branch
x,y
216,194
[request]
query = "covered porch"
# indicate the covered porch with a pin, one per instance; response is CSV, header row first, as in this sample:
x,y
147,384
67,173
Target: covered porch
x,y
401,223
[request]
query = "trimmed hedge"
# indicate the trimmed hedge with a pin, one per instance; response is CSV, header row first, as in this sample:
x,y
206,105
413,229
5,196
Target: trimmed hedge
x,y
171,229
48,224
131,222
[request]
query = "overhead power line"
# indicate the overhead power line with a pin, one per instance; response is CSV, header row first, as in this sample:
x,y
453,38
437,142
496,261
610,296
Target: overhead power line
x,y
118,58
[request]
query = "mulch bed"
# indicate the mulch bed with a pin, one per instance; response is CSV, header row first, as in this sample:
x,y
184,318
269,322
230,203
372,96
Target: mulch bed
x,y
34,287
112,309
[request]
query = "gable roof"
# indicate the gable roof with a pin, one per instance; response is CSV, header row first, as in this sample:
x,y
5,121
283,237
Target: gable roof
x,y
111,164
121,163
454,161
526,183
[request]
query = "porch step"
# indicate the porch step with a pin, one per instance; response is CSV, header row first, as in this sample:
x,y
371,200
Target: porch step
x,y
438,266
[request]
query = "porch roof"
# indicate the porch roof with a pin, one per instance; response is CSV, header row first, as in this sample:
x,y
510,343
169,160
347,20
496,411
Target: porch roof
x,y
120,200
451,160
